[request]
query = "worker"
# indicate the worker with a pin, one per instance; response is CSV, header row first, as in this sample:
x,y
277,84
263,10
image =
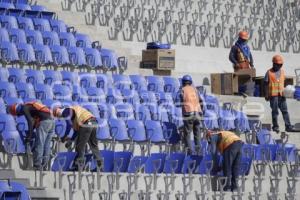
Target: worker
x,y
274,85
38,117
229,145
240,54
85,129
191,103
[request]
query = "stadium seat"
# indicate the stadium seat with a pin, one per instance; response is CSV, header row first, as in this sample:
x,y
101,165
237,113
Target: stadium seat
x,y
26,54
103,132
22,6
8,22
83,40
2,106
155,163
7,89
121,161
22,126
4,37
170,132
11,137
176,117
154,131
50,38
227,117
171,84
241,122
147,97
118,130
79,94
70,77
16,75
109,59
9,53
93,58
142,113
131,96
13,100
136,163
34,76
34,37
124,111
60,55
136,130
87,80
7,5
158,113
4,74
52,77
38,8
43,92
93,108
17,35
107,111
67,39
43,54
174,163
155,83
62,92
96,95
113,96
108,158
77,57
121,81
41,24
25,23
103,81
58,25
264,137
6,191
211,116
19,187
63,161
139,82
25,91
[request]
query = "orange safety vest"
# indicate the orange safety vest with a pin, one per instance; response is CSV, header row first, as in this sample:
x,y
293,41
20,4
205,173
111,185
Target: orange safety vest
x,y
227,138
190,99
81,116
276,86
243,62
39,107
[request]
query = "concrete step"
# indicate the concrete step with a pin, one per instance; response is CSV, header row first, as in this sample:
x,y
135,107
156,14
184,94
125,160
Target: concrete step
x,y
45,194
7,174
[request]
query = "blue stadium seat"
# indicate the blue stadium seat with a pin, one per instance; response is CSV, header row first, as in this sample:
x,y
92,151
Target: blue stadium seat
x,y
9,53
77,57
266,152
93,108
103,82
155,83
118,130
6,191
4,37
147,97
22,126
62,92
26,54
93,58
8,22
108,158
43,54
79,94
113,96
103,132
142,113
96,95
70,77
171,84
109,59
12,100
17,35
25,90
155,163
121,161
264,137
2,106
164,98
136,130
7,89
227,117
154,131
50,38
52,77
22,6
16,75
206,165
67,39
174,163
34,37
38,8
63,161
34,76
170,132
124,111
107,111
245,166
25,23
4,74
158,113
87,80
7,5
11,137
58,25
121,81
43,92
176,117
131,96
83,40
139,82
60,55
136,163
241,122
41,24
18,187
60,127
211,116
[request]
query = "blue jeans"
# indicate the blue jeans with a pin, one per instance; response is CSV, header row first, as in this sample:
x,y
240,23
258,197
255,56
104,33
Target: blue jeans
x,y
42,149
279,102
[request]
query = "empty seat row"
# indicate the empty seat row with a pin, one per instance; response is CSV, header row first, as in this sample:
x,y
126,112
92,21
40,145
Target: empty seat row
x,y
22,5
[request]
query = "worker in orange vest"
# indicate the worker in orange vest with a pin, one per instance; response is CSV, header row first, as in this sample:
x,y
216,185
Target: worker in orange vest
x,y
274,85
85,127
191,103
229,145
38,117
240,54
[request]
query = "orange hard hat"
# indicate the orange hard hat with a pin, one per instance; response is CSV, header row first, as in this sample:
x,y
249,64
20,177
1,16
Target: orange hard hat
x,y
57,111
244,35
277,59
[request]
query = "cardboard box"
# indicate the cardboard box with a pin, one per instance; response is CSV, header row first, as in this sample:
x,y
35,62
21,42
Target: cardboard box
x,y
224,84
251,72
161,59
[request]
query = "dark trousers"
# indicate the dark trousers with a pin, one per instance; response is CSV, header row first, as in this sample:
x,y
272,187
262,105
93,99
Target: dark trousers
x,y
279,102
87,134
191,124
231,164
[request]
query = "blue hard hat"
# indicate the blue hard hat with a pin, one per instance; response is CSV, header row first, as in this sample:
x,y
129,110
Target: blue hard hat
x,y
187,78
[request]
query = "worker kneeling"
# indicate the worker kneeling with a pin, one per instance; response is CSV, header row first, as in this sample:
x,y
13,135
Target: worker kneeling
x,y
229,145
85,129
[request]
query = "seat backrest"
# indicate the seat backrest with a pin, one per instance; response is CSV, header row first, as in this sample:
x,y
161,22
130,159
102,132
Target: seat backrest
x,y
174,163
136,130
7,89
154,131
118,129
63,161
121,161
4,35
139,82
25,23
25,90
155,163
34,37
67,39
34,76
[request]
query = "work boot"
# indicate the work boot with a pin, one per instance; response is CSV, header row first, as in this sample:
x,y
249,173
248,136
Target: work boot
x,y
291,129
276,129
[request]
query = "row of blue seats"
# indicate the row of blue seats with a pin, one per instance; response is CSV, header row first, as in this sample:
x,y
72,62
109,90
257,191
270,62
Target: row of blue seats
x,y
13,190
21,6
16,1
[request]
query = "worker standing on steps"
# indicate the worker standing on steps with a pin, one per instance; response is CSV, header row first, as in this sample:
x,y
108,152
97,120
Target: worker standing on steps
x,y
38,117
240,54
274,85
85,129
229,145
191,103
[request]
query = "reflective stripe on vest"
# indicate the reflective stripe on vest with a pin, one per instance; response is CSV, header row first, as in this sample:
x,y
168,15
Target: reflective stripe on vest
x,y
276,86
227,138
39,107
81,116
190,99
